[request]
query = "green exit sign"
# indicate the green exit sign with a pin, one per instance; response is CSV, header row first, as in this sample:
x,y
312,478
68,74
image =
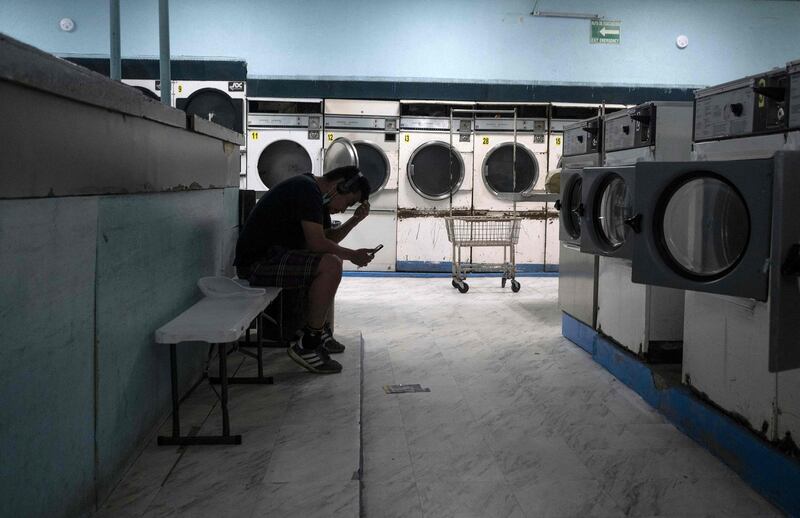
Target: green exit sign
x,y
605,31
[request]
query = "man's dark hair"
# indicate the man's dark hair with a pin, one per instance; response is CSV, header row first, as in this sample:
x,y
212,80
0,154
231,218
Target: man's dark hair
x,y
343,174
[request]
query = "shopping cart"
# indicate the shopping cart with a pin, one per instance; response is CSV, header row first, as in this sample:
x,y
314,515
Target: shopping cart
x,y
478,231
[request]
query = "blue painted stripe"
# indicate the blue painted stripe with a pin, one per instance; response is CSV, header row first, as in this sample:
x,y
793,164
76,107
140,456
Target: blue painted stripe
x,y
447,266
440,275
773,474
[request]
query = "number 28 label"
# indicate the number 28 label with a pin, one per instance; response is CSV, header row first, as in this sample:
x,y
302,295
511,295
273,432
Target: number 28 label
x,y
485,141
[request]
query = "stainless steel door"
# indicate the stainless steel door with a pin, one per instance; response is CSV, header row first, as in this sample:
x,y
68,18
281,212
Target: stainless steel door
x,y
704,226
608,211
570,206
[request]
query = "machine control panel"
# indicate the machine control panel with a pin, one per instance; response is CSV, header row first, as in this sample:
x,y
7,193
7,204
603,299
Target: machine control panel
x,y
583,137
631,128
265,120
360,123
507,125
435,124
750,106
794,94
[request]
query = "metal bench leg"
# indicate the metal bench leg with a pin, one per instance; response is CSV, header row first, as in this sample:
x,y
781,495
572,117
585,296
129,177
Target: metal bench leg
x,y
176,439
173,369
260,379
223,372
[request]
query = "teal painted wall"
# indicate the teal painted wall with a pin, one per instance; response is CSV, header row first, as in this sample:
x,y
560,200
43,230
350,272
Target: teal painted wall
x,y
460,39
151,250
85,283
47,376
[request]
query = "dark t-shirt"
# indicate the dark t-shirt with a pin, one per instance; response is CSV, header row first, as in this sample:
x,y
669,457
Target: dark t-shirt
x,y
276,219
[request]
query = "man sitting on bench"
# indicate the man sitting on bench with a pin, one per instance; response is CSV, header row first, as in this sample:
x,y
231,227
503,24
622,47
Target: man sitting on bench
x,y
287,241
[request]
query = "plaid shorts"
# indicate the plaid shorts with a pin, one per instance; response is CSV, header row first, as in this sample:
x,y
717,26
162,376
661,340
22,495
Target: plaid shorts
x,y
282,268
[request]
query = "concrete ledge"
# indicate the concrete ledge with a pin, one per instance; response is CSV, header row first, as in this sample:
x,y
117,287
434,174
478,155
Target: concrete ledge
x,y
773,474
30,67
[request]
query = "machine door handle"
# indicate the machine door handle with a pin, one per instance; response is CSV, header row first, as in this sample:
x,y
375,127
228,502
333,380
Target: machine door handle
x,y
580,138
579,211
626,129
635,222
791,266
773,92
557,205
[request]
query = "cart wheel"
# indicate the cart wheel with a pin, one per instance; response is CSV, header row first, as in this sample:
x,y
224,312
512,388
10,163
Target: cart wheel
x,y
503,282
464,287
455,284
515,286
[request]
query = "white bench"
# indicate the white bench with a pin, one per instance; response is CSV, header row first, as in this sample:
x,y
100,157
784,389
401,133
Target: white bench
x,y
218,318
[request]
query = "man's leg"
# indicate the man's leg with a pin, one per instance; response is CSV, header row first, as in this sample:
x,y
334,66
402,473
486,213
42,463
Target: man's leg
x,y
323,290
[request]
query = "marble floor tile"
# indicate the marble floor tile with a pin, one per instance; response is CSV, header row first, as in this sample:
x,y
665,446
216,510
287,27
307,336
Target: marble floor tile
x,y
564,498
387,466
392,499
466,465
459,499
705,497
539,458
308,499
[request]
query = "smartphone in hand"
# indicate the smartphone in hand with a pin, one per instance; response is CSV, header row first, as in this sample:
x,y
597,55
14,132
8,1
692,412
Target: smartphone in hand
x,y
375,250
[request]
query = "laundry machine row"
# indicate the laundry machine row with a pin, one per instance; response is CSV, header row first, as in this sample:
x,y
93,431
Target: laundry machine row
x,y
723,227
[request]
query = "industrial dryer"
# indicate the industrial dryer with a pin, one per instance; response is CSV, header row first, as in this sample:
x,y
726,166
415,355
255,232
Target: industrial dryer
x,y
435,176
284,139
496,191
647,320
372,126
577,278
724,228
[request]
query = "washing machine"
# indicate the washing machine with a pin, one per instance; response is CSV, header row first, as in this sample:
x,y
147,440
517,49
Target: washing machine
x,y
432,174
724,228
372,126
577,278
284,139
496,191
646,320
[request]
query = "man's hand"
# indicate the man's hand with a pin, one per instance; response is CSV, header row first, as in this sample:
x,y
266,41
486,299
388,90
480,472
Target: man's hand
x,y
361,257
362,211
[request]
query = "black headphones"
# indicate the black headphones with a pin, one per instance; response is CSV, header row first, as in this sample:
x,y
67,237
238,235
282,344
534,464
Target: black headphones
x,y
346,187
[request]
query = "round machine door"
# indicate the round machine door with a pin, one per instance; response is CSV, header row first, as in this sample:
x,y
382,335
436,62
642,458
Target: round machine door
x,y
499,168
711,226
215,106
341,153
613,207
572,206
435,170
374,165
704,227
283,159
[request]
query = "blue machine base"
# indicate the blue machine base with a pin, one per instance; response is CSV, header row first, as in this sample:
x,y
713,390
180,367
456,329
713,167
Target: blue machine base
x,y
440,275
447,267
774,475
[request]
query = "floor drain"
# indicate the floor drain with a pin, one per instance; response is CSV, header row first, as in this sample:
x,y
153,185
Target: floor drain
x,y
404,389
